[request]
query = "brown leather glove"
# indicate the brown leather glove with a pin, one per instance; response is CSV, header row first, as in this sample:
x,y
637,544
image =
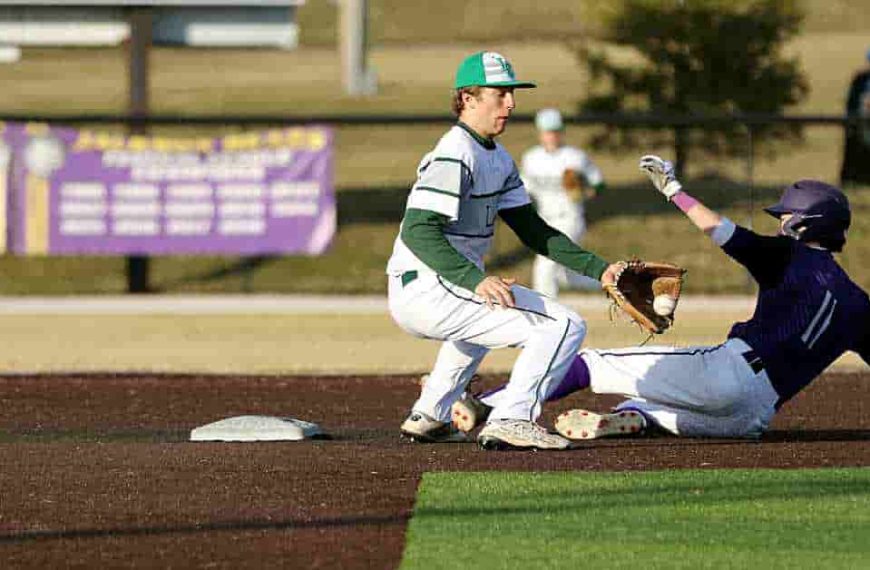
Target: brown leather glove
x,y
647,292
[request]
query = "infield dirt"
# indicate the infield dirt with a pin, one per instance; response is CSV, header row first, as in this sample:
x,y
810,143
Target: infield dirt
x,y
96,470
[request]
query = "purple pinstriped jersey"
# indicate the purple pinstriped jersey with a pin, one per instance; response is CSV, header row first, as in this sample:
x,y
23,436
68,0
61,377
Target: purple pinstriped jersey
x,y
808,311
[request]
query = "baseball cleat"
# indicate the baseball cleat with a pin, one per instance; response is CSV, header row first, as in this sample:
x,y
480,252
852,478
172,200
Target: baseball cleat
x,y
468,412
518,434
583,424
420,428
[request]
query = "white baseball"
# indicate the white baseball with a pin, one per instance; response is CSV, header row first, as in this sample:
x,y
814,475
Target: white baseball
x,y
664,305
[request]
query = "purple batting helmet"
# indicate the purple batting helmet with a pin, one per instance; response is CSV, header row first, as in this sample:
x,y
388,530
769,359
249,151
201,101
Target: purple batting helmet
x,y
820,213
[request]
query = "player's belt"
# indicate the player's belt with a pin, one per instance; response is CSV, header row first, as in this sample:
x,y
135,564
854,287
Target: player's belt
x,y
753,360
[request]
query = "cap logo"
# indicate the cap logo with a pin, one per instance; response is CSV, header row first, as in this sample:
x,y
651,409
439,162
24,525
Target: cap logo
x,y
505,65
496,68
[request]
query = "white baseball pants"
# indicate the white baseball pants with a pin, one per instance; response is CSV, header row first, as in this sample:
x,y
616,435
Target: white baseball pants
x,y
708,391
548,333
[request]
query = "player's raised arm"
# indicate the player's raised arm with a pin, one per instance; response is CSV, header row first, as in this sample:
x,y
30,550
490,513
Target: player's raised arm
x,y
661,173
764,256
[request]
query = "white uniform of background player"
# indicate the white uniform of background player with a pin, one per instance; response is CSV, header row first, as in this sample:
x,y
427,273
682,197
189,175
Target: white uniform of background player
x,y
437,285
542,170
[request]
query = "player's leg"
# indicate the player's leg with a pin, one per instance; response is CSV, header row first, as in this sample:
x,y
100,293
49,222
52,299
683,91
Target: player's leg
x,y
702,391
550,335
456,363
700,378
472,410
747,421
429,421
418,306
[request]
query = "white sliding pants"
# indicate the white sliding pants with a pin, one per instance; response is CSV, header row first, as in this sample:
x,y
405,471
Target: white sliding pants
x,y
697,392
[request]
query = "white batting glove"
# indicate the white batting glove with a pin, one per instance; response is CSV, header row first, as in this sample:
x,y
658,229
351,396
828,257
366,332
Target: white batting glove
x,y
661,172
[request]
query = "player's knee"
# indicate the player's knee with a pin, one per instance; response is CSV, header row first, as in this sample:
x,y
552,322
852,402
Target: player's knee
x,y
725,398
573,327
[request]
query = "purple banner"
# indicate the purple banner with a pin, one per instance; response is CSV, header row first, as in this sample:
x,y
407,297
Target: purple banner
x,y
74,192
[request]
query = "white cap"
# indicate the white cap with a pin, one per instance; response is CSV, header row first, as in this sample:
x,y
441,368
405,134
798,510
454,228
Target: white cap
x,y
549,120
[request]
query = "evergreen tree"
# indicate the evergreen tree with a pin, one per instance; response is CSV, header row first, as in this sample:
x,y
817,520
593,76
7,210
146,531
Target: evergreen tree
x,y
697,57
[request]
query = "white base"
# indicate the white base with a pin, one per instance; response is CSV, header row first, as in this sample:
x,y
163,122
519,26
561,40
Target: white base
x,y
257,428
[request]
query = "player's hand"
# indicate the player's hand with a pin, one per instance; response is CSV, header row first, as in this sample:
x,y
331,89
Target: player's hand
x,y
661,172
496,291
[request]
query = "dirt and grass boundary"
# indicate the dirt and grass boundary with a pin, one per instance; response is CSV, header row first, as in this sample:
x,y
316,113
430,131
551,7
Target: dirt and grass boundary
x,y
96,472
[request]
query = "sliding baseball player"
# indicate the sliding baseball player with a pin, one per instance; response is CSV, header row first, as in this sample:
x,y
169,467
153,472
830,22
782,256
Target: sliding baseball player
x,y
808,313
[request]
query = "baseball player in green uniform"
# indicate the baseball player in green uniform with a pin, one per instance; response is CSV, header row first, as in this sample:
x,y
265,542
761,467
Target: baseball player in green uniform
x,y
438,288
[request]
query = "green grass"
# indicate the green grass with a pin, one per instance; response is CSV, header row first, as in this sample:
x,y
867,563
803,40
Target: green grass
x,y
677,519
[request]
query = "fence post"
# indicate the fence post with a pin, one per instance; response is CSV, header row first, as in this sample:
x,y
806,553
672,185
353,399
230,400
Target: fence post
x,y
357,74
140,45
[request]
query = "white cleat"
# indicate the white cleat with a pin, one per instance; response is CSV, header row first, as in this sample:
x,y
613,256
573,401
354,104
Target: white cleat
x,y
583,424
518,434
420,428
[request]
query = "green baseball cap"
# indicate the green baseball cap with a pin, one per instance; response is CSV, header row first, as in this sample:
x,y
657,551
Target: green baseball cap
x,y
487,69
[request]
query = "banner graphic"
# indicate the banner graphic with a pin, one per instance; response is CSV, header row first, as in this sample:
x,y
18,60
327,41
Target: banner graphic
x,y
80,192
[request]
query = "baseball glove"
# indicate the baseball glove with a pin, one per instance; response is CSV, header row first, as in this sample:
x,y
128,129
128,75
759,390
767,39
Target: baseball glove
x,y
572,184
637,286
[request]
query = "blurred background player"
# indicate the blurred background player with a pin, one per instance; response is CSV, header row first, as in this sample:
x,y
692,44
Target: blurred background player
x,y
437,285
856,148
808,313
560,178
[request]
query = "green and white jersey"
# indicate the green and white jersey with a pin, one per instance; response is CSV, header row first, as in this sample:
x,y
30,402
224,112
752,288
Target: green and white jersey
x,y
468,179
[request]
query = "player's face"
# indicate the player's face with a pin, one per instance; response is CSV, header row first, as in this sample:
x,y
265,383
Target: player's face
x,y
783,218
488,114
